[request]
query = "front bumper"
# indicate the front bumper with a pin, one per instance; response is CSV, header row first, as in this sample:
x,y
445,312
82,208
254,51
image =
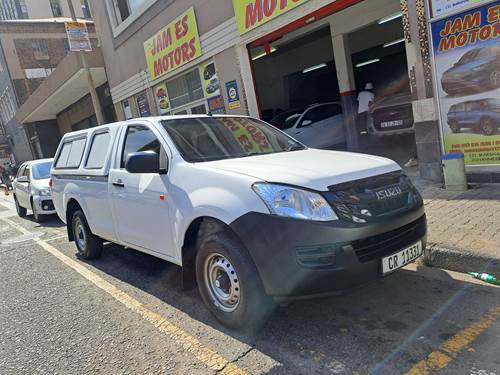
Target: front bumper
x,y
297,258
44,205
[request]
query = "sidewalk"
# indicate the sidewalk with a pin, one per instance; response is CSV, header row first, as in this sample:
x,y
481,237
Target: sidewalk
x,y
463,228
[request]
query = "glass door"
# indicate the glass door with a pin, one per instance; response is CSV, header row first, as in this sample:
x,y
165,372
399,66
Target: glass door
x,y
198,109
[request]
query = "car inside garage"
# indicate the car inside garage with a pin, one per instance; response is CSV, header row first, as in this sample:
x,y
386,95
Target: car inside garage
x,y
297,79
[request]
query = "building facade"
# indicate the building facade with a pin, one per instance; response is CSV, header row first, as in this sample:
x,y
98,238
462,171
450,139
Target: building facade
x,y
38,9
278,58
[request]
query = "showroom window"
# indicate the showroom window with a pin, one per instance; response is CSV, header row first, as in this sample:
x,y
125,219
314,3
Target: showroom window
x,y
124,12
185,89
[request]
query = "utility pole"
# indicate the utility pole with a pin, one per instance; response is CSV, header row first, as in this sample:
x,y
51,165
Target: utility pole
x,y
90,80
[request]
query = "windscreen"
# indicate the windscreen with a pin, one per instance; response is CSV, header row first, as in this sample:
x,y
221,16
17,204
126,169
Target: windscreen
x,y
217,138
41,171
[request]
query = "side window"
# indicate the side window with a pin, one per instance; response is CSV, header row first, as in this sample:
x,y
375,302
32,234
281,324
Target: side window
x,y
98,151
26,172
20,172
321,113
71,154
139,138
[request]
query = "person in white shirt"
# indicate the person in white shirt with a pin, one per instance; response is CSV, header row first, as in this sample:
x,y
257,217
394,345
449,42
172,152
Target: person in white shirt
x,y
365,100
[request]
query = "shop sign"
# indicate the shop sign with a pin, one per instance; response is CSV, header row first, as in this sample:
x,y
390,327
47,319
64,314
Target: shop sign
x,y
173,46
233,96
444,7
78,36
254,13
209,80
216,105
161,97
143,105
248,136
467,64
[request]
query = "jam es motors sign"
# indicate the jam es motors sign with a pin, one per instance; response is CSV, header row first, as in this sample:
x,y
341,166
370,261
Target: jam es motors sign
x,y
173,46
253,13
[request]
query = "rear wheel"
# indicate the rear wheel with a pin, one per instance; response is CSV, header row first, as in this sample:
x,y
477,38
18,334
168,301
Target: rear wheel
x,y
487,126
229,282
89,246
454,127
21,211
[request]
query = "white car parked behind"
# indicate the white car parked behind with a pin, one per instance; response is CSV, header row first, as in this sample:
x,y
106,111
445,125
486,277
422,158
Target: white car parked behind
x,y
31,189
320,125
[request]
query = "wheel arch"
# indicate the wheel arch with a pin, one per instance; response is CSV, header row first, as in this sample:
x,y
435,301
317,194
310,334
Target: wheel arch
x,y
71,207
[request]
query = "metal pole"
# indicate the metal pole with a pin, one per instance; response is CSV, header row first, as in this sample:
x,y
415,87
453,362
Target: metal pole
x,y
90,81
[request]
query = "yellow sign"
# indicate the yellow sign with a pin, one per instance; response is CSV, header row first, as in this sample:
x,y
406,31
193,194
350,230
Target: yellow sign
x,y
250,138
209,79
173,46
253,13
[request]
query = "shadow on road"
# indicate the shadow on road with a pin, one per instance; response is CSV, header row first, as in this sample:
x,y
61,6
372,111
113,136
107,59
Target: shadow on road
x,y
392,323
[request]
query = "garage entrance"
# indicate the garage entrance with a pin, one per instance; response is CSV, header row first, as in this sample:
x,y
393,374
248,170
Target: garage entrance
x,y
297,80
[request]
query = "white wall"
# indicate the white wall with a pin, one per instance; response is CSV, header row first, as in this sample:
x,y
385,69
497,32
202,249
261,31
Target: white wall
x,y
41,8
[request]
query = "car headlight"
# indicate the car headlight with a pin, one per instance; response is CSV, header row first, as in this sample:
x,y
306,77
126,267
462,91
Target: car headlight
x,y
287,201
44,192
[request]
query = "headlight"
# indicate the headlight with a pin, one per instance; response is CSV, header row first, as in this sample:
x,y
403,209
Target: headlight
x,y
292,202
44,192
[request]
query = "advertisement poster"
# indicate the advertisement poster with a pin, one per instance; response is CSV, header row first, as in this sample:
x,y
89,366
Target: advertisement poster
x,y
210,80
127,111
248,136
253,13
216,105
143,105
443,7
233,96
161,97
466,49
173,46
78,36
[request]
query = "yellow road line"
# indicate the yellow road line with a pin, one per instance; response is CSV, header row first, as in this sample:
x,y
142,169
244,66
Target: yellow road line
x,y
449,350
207,356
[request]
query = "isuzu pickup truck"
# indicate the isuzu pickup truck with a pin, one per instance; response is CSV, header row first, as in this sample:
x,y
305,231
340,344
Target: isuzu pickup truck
x,y
250,214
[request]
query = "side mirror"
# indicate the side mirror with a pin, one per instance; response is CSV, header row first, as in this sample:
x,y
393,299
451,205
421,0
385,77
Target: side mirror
x,y
23,179
306,123
143,162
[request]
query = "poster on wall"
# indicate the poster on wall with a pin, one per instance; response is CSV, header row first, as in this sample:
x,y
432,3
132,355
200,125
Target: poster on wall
x,y
127,111
173,46
161,97
209,79
143,105
216,105
443,7
78,36
233,96
467,63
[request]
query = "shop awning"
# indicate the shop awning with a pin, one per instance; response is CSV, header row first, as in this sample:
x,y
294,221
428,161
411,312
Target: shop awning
x,y
65,86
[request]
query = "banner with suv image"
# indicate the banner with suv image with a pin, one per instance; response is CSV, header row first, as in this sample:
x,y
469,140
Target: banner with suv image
x,y
467,63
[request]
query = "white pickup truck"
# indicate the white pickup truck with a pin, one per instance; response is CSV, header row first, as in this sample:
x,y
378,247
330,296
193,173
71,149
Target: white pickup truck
x,y
249,213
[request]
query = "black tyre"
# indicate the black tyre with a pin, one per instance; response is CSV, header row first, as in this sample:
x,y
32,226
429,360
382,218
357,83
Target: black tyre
x,y
488,127
229,282
21,211
454,127
89,246
36,216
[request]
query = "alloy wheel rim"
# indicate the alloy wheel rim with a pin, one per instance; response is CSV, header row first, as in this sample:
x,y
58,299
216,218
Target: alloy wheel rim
x,y
80,235
222,282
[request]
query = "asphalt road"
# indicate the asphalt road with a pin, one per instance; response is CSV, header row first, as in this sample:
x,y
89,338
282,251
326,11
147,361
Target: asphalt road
x,y
126,314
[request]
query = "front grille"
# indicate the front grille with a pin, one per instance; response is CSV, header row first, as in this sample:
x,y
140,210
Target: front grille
x,y
387,243
360,201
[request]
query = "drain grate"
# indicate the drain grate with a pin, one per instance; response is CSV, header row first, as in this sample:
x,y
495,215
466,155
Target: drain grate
x,y
22,238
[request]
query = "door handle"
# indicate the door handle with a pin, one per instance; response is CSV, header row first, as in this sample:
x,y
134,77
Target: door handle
x,y
297,133
118,183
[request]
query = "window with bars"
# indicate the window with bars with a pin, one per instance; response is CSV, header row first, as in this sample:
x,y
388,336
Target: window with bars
x,y
40,49
55,5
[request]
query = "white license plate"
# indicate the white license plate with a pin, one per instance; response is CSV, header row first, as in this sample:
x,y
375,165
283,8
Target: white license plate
x,y
402,258
390,124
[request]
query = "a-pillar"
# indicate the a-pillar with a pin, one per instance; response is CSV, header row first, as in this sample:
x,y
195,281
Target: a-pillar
x,y
347,87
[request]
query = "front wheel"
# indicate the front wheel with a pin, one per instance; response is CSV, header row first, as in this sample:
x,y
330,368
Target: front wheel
x,y
229,282
454,127
21,211
487,127
36,216
89,246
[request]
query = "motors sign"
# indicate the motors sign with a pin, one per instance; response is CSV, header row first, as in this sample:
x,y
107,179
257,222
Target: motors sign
x,y
173,46
253,13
